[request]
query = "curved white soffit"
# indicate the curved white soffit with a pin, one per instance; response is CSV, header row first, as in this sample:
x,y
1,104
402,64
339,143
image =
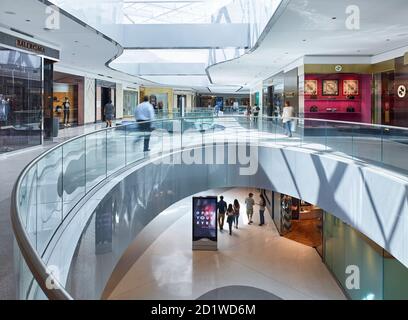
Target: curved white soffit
x,y
318,28
82,47
279,11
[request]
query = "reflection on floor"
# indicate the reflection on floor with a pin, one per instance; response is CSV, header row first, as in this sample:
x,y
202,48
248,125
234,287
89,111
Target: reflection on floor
x,y
255,257
306,232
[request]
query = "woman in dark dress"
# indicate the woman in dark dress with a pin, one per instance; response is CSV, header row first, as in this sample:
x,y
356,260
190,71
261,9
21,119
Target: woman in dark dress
x,y
109,114
230,217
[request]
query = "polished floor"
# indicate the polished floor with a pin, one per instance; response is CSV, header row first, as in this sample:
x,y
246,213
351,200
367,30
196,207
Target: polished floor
x,y
306,232
255,258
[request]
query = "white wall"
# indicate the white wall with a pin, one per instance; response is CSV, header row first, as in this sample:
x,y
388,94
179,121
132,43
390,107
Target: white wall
x,y
89,103
119,101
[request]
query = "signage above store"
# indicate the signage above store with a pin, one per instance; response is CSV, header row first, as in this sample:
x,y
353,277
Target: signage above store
x,y
402,91
12,42
27,45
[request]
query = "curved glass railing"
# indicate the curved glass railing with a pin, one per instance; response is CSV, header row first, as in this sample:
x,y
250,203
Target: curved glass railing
x,y
52,185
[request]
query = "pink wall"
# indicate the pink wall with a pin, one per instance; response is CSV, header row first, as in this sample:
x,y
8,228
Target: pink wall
x,y
361,103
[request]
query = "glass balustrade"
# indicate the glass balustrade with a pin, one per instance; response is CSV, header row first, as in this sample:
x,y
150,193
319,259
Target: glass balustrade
x,y
53,184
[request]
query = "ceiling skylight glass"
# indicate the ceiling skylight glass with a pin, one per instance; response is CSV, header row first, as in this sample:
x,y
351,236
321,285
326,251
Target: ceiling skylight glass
x,y
174,11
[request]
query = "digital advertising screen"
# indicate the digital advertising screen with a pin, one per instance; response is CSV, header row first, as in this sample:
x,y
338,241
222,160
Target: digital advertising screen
x,y
205,218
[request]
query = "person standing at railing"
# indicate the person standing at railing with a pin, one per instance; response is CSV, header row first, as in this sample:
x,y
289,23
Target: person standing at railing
x,y
287,115
144,114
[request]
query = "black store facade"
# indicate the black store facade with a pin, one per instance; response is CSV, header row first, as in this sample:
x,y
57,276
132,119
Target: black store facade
x,y
26,92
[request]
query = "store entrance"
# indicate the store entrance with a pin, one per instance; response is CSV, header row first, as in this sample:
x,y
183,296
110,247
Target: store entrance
x,y
299,221
105,98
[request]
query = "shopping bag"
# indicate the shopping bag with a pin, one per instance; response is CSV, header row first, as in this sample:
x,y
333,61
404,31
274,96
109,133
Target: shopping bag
x,y
293,125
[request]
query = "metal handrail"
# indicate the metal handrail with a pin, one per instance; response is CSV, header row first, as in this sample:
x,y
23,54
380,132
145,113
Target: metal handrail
x,y
32,258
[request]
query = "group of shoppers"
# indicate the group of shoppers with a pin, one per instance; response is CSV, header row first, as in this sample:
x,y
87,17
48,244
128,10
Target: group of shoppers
x,y
253,111
232,211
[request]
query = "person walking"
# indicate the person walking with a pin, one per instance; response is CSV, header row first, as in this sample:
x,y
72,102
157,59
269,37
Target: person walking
x,y
109,112
250,202
144,114
66,106
236,212
262,206
230,217
287,115
248,112
256,114
222,208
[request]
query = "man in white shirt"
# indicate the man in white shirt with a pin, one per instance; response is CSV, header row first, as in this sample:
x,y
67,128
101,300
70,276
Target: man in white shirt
x,y
144,113
287,115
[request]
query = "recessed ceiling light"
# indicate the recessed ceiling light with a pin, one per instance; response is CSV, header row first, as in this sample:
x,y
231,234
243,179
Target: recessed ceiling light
x,y
304,40
334,18
388,40
10,12
286,52
28,20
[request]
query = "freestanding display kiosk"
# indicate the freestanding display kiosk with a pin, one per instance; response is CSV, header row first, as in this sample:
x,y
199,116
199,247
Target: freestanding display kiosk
x,y
205,223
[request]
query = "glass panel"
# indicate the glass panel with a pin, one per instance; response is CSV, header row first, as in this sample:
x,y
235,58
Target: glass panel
x,y
345,248
116,144
27,203
395,148
367,256
95,159
395,279
340,139
334,254
314,135
192,131
171,135
367,143
23,274
74,173
134,143
155,137
49,197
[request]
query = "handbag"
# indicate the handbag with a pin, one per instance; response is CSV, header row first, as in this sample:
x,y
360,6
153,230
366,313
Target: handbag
x,y
293,125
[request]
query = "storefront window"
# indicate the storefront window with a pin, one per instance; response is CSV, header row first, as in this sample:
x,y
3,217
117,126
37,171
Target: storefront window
x,y
130,101
66,104
346,252
20,100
